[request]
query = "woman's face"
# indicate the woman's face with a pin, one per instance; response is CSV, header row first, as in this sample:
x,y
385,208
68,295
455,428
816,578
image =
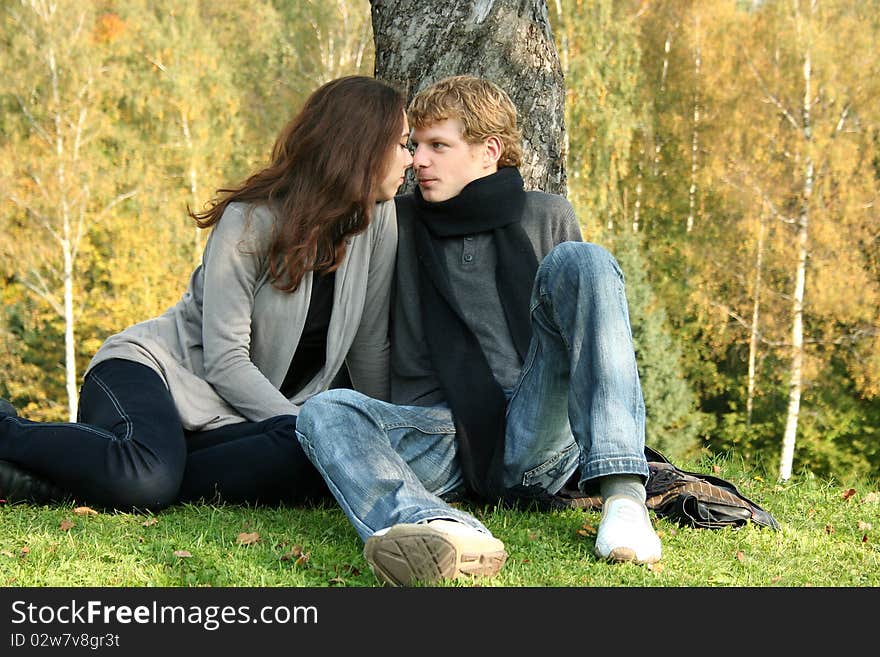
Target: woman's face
x,y
400,161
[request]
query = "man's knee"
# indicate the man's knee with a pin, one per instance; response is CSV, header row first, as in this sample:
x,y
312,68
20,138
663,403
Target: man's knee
x,y
574,261
328,406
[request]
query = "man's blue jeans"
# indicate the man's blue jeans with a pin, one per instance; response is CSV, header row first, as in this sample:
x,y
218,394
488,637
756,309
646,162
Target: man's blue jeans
x,y
578,402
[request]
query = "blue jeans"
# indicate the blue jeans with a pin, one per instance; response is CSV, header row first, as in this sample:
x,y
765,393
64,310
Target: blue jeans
x,y
577,404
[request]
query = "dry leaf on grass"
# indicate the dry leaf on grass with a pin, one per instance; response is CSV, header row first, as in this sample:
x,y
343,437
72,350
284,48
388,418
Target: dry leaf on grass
x,y
66,525
587,530
248,538
85,511
848,493
865,526
656,567
150,521
183,554
297,555
293,553
871,498
740,555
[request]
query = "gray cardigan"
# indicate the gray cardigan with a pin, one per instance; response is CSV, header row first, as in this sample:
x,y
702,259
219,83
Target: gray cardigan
x,y
223,350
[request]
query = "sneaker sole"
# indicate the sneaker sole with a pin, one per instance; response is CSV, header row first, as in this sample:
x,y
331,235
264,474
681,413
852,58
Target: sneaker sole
x,y
407,554
625,555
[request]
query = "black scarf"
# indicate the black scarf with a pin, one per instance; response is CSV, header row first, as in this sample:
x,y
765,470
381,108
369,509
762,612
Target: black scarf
x,y
490,204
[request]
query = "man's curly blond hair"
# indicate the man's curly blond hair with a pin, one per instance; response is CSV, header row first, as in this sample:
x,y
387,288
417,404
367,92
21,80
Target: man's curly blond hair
x,y
482,106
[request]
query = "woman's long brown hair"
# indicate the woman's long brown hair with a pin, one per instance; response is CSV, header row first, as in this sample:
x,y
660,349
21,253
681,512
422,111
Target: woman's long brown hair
x,y
325,166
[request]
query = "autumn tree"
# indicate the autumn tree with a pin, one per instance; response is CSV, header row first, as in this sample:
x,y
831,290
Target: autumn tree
x,y
786,187
53,84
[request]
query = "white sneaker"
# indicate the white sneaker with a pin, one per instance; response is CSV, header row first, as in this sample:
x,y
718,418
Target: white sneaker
x,y
428,552
625,532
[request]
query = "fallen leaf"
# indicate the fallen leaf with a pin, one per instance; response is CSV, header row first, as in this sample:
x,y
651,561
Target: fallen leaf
x,y
25,551
829,529
773,580
85,511
758,478
7,553
656,567
716,469
294,553
871,498
149,522
740,555
302,559
336,581
811,512
865,526
248,538
183,554
848,493
865,538
587,530
66,525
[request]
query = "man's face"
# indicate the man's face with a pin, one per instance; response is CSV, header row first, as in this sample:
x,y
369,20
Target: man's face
x,y
444,162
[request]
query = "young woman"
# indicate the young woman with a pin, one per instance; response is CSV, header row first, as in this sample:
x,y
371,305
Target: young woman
x,y
294,284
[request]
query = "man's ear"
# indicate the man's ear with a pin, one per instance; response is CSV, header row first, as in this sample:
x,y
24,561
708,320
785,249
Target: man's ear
x,y
492,150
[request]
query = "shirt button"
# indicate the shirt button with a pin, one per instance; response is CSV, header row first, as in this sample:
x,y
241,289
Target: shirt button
x,y
468,257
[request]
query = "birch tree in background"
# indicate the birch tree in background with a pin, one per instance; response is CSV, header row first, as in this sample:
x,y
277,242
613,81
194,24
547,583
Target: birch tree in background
x,y
60,189
507,41
796,143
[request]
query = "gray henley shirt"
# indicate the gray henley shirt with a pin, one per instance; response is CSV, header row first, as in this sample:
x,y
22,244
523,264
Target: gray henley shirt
x,y
548,219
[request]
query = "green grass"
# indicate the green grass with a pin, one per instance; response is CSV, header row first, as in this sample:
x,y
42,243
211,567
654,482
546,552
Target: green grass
x,y
827,539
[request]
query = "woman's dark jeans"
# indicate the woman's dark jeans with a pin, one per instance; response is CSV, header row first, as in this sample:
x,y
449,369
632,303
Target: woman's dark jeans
x,y
128,449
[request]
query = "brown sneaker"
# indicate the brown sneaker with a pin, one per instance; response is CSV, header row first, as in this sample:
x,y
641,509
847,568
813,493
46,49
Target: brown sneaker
x,y
430,552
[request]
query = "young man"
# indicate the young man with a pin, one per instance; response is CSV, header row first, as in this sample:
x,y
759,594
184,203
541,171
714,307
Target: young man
x,y
512,361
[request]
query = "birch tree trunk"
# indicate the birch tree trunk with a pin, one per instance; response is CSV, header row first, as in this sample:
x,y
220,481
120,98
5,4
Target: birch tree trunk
x,y
754,330
193,174
507,41
695,135
797,326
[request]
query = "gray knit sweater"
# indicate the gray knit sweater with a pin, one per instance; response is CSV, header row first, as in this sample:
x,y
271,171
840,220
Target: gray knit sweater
x,y
548,219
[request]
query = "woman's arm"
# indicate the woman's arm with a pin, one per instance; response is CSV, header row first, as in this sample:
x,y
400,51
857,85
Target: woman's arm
x,y
235,265
368,359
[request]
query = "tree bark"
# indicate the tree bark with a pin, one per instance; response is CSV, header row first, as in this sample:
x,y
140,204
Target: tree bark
x,y
797,327
754,330
695,133
507,41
